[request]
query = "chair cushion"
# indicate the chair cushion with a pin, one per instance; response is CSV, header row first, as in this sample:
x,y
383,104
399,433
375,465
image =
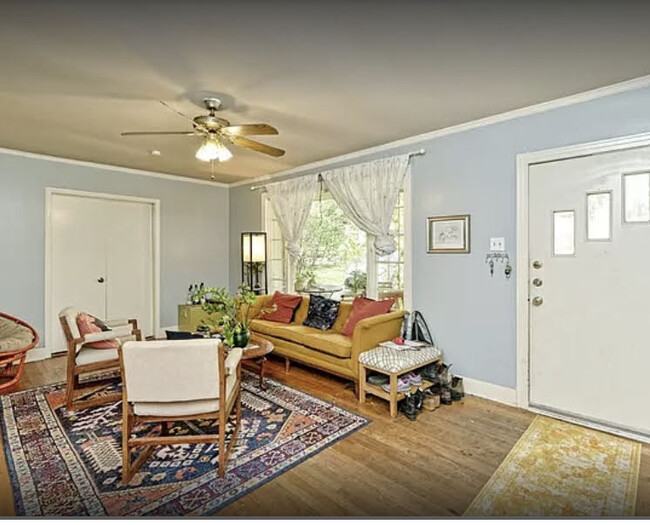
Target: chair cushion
x,y
362,308
14,336
88,324
285,306
322,312
176,408
87,355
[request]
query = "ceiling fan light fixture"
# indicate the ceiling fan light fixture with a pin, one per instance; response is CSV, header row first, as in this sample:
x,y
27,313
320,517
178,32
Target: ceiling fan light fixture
x,y
213,149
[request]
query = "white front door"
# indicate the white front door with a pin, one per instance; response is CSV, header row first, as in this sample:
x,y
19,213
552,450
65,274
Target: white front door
x,y
589,255
101,260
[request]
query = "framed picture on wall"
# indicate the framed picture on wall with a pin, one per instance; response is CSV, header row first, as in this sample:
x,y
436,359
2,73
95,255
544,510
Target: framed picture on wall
x,y
448,234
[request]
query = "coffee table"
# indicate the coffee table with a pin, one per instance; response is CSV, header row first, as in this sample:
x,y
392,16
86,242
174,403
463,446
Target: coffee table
x,y
254,356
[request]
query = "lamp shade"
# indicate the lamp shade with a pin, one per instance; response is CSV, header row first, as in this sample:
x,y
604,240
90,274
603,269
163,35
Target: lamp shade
x,y
254,247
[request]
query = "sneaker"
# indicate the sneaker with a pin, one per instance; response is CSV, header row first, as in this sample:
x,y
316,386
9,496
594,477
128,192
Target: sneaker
x,y
407,407
430,372
377,379
414,378
403,384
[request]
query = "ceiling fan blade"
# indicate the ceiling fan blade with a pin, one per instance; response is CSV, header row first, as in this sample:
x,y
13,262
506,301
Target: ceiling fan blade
x,y
250,129
135,133
198,126
256,146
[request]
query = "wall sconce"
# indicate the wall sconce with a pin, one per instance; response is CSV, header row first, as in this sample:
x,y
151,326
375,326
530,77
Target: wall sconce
x,y
253,261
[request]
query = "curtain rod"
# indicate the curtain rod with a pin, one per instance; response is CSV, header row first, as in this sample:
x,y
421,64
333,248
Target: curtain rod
x,y
412,154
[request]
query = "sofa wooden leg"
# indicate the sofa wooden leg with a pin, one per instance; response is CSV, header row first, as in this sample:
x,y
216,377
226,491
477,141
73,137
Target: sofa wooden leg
x,y
287,364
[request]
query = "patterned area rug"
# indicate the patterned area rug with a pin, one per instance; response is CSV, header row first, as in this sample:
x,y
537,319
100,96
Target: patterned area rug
x,y
64,463
560,469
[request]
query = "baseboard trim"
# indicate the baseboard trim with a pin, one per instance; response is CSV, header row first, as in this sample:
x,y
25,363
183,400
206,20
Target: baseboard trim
x,y
37,354
498,393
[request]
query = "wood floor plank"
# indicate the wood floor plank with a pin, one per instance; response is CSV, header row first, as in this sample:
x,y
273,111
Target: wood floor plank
x,y
433,466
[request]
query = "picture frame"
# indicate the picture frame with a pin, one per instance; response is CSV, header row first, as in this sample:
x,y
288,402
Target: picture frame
x,y
448,234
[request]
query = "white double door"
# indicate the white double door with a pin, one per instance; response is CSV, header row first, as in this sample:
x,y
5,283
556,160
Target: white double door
x,y
101,260
589,288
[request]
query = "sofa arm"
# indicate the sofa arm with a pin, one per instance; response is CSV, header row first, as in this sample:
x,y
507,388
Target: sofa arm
x,y
369,332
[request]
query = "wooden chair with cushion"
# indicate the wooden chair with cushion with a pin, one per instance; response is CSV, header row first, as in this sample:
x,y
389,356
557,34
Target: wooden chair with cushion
x,y
16,339
170,381
83,359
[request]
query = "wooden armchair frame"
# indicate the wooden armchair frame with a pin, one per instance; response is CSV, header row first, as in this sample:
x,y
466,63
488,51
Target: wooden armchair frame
x,y
73,386
12,362
130,419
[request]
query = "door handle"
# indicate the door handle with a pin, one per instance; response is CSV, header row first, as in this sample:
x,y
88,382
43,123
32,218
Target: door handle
x,y
100,280
537,265
537,282
537,301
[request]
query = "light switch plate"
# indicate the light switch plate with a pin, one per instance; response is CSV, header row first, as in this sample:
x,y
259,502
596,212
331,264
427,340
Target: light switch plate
x,y
497,244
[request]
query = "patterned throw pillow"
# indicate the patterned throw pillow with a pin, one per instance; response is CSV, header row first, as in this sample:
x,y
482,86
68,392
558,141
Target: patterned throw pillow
x,y
88,324
322,312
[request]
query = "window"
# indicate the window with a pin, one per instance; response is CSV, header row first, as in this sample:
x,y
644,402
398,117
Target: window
x,y
563,232
599,216
636,192
338,257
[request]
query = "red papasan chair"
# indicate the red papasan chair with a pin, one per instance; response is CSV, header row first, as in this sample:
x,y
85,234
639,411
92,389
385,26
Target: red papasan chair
x,y
16,339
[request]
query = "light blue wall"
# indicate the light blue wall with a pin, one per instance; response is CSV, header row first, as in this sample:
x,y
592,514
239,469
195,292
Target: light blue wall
x,y
472,315
193,225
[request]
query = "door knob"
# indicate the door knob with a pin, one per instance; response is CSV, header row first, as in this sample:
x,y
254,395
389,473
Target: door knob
x,y
100,280
537,265
537,301
537,282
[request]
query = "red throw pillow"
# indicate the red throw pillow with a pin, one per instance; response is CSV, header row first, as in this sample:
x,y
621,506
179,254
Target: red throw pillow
x,y
285,306
362,308
88,324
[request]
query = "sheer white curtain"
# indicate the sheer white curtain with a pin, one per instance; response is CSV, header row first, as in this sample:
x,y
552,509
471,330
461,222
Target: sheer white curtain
x,y
367,193
291,201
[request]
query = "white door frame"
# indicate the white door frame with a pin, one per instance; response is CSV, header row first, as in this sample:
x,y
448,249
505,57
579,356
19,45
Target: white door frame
x,y
524,161
49,193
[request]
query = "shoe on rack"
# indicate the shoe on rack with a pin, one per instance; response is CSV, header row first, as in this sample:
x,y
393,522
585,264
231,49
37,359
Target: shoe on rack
x,y
403,384
430,372
377,379
418,397
414,378
407,407
457,390
431,400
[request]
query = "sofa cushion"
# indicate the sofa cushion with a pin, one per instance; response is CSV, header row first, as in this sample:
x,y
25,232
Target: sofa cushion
x,y
285,306
322,312
362,308
328,342
87,324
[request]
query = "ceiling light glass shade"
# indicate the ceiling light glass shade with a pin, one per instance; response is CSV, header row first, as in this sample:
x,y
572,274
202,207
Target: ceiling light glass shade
x,y
212,149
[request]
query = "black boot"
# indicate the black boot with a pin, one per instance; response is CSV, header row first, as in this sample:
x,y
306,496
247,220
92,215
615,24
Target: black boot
x,y
407,407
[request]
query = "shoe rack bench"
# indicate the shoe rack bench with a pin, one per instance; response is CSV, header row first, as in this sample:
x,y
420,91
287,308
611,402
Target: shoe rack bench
x,y
393,397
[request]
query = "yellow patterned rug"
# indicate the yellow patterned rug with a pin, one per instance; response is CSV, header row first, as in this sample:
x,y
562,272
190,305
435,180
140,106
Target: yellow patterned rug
x,y
560,469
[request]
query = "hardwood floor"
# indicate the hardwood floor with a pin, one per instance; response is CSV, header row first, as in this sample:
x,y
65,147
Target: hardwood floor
x,y
433,466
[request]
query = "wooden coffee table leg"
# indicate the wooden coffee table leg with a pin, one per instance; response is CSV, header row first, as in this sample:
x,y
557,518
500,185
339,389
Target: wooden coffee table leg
x,y
262,363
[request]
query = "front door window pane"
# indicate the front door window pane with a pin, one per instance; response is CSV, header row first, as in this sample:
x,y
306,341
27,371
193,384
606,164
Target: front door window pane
x,y
636,189
563,232
599,216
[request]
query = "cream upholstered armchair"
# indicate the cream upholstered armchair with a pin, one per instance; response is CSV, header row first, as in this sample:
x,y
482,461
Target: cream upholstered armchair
x,y
83,359
168,381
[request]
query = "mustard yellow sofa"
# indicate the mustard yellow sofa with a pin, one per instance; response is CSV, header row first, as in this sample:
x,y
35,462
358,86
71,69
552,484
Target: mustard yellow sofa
x,y
326,350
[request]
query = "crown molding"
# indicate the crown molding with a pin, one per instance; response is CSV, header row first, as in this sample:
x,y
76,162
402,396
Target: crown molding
x,y
593,94
123,169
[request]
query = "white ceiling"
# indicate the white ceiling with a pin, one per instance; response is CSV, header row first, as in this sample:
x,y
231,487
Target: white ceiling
x,y
333,77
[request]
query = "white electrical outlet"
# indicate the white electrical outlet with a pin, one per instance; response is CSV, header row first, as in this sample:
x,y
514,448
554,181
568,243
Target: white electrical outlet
x,y
497,244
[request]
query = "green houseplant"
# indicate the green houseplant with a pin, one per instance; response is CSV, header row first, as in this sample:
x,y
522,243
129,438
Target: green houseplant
x,y
235,314
356,281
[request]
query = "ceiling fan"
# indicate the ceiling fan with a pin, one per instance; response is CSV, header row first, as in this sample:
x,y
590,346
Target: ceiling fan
x,y
217,132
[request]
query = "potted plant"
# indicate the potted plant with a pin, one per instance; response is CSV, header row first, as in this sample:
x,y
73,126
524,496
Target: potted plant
x,y
235,314
356,282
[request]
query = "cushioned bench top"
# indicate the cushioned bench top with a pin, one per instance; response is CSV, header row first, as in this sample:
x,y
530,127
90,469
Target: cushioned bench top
x,y
394,361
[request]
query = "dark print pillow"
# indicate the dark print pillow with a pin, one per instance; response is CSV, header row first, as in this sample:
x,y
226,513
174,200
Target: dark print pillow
x,y
322,312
